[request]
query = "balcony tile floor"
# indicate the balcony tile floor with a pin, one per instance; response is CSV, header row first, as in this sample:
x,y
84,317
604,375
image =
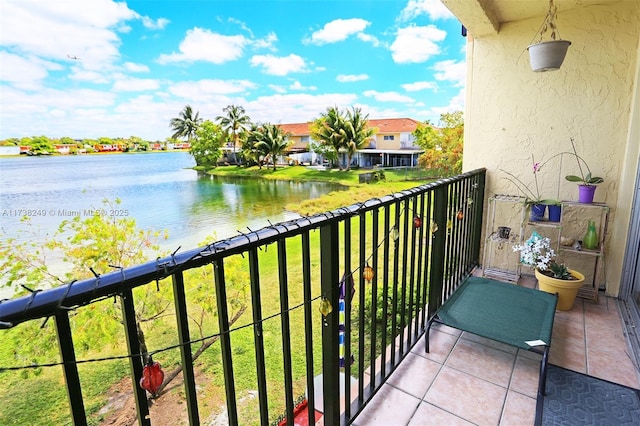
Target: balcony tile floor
x,y
468,380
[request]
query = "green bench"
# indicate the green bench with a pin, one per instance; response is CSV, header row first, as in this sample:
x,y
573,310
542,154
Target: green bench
x,y
518,316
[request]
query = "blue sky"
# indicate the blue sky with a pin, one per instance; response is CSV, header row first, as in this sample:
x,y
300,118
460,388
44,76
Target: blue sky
x,y
92,68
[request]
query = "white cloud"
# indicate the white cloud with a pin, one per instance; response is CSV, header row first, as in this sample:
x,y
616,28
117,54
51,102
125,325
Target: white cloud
x,y
202,89
451,70
22,72
54,29
132,67
455,104
338,30
349,78
419,85
416,44
434,8
129,84
266,42
278,89
295,108
279,65
388,96
296,85
158,24
204,45
367,38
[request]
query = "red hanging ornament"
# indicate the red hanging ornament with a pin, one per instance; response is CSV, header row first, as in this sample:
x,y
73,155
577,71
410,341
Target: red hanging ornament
x,y
417,221
460,215
152,377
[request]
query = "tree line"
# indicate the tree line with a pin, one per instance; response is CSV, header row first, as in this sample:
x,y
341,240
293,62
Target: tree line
x,y
334,132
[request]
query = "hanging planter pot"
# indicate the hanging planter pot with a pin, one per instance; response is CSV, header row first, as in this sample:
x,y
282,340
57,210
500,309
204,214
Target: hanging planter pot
x,y
548,55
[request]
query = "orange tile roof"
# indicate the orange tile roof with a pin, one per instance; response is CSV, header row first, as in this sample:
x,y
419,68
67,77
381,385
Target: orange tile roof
x,y
384,125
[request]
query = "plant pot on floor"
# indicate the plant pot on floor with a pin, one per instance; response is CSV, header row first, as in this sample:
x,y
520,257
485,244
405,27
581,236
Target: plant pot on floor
x,y
586,193
548,55
567,290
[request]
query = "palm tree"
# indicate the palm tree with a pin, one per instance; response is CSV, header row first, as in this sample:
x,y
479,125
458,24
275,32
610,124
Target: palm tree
x,y
357,132
329,130
272,141
186,124
234,122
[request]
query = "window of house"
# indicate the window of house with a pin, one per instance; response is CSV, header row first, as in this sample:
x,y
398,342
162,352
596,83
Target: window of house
x,y
388,137
304,138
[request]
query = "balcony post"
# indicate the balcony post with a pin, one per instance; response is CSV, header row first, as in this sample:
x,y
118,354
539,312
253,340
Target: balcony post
x,y
71,378
329,276
436,277
135,359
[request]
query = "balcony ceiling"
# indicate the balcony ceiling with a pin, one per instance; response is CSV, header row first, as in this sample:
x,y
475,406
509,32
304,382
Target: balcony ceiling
x,y
484,17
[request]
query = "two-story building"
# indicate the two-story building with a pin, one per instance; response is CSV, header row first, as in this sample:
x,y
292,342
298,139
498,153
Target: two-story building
x,y
393,145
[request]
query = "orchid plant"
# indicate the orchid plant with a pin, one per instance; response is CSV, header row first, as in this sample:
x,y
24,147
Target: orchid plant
x,y
537,253
532,195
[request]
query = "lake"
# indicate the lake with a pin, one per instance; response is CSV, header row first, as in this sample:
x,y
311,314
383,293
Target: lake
x,y
159,190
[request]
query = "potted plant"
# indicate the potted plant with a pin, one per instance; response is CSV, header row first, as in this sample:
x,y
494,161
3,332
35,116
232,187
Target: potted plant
x,y
552,277
532,197
587,183
548,55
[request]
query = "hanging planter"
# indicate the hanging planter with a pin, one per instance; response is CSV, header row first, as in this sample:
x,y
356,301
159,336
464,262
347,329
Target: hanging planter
x,y
548,55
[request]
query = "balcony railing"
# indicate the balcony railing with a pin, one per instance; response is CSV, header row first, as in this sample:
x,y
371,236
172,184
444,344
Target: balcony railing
x,y
401,255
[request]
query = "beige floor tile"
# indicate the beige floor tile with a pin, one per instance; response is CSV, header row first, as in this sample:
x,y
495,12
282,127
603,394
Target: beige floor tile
x,y
440,345
519,410
466,396
604,314
389,407
488,342
526,376
567,328
414,375
428,415
615,367
605,339
568,354
482,361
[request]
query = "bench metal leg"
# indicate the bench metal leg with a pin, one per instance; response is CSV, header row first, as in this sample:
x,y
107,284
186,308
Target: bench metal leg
x,y
542,384
426,333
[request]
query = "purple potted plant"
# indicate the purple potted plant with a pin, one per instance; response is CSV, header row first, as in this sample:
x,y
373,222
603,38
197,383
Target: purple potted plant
x,y
586,182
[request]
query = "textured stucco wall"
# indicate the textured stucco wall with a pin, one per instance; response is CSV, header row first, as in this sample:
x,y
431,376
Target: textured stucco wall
x,y
513,113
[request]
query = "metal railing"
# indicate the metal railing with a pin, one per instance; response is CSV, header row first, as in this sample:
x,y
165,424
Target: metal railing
x,y
398,256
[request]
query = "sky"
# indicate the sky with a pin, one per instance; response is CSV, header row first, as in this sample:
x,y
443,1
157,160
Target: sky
x,y
102,68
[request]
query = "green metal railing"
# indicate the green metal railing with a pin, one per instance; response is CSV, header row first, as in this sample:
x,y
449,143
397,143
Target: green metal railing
x,y
393,249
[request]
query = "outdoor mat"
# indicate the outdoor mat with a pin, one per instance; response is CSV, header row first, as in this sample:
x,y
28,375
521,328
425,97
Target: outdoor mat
x,y
577,399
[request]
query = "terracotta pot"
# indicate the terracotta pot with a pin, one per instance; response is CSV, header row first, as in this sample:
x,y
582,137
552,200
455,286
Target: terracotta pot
x,y
565,289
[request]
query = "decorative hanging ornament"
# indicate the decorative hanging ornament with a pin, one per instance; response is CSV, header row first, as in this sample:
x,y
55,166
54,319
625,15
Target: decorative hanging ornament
x,y
325,307
395,233
460,215
367,273
152,377
417,221
433,228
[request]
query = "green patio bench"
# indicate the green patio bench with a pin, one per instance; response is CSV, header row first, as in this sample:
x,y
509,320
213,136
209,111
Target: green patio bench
x,y
518,316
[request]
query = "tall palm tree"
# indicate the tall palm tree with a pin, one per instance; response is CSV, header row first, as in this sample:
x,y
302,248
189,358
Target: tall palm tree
x,y
186,124
272,141
357,132
329,130
234,122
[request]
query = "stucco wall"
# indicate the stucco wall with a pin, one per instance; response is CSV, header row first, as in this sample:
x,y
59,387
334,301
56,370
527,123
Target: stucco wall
x,y
513,113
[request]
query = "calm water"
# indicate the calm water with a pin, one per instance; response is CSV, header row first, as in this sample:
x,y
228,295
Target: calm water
x,y
159,190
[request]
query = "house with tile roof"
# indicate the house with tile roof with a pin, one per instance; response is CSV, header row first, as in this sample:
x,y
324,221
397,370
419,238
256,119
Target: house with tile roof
x,y
393,145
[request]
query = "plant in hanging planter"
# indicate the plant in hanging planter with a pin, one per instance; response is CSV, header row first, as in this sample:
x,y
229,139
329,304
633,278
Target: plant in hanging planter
x,y
586,182
553,277
548,55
